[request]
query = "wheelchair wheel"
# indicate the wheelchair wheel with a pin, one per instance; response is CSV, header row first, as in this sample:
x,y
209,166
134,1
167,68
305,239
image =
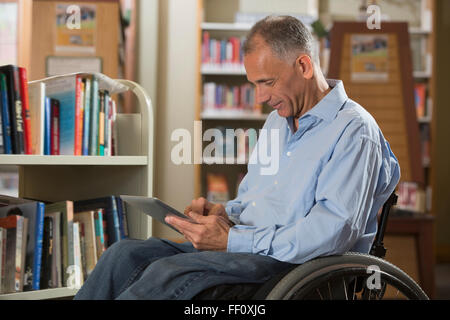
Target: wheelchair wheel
x,y
352,276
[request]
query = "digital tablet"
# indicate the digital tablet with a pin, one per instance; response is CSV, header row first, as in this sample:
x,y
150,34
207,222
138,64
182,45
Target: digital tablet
x,y
154,208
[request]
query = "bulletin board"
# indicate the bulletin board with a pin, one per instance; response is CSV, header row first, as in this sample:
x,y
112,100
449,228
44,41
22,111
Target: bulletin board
x,y
376,68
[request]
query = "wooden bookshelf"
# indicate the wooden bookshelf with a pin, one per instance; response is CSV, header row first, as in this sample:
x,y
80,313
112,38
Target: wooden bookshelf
x,y
59,178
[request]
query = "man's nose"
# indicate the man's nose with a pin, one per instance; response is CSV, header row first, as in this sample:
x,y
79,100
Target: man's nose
x,y
262,95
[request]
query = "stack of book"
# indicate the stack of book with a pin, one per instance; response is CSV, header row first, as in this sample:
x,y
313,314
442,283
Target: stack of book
x,y
411,197
225,54
53,245
62,115
226,98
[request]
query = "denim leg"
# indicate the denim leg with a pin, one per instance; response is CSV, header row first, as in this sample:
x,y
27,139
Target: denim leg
x,y
184,275
123,263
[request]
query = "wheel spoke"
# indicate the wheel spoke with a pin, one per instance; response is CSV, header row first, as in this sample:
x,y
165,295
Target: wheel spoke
x,y
345,289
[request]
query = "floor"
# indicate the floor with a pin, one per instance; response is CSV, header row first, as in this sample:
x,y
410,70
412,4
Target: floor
x,y
442,275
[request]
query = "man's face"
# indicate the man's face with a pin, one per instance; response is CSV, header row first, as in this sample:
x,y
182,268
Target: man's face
x,y
278,83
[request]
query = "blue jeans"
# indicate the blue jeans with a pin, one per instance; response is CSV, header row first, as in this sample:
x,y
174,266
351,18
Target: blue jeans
x,y
161,269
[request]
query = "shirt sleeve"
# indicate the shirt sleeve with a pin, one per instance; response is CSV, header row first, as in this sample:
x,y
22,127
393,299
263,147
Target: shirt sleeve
x,y
234,207
344,196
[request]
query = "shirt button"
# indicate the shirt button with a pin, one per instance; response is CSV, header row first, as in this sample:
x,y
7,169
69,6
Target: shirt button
x,y
276,182
254,203
288,153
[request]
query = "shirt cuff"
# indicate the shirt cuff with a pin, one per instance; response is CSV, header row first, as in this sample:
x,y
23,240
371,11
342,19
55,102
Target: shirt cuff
x,y
240,239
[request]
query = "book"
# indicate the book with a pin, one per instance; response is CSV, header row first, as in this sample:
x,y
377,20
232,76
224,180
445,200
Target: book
x,y
78,270
34,212
15,252
122,213
93,127
106,124
15,107
111,215
420,99
67,91
66,235
79,116
36,93
86,222
47,126
87,115
5,118
47,254
99,233
101,124
56,263
217,188
54,127
26,116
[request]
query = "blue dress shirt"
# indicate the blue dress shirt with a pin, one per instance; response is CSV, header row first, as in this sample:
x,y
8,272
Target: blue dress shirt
x,y
334,174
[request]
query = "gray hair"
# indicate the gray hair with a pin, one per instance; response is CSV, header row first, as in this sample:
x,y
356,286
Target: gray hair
x,y
286,35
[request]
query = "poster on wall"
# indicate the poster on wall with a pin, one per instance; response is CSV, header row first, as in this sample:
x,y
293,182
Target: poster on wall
x,y
75,28
369,57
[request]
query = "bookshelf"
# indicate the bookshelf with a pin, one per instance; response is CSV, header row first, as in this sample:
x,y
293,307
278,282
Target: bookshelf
x,y
58,178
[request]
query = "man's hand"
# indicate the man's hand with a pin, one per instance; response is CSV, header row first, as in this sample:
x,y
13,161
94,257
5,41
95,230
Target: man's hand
x,y
204,207
209,233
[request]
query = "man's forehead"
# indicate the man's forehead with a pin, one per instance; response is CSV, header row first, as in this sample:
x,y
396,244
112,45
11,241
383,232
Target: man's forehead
x,y
261,64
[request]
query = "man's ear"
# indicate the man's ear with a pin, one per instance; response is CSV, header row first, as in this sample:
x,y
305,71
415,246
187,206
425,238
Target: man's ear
x,y
304,64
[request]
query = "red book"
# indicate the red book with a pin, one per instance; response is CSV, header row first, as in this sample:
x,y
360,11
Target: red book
x,y
25,110
78,116
54,127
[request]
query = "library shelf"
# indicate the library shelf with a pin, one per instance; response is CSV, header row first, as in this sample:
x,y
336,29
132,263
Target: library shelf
x,y
60,178
45,294
223,70
232,26
61,160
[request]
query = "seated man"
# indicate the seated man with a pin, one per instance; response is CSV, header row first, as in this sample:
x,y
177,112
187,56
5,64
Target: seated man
x,y
335,172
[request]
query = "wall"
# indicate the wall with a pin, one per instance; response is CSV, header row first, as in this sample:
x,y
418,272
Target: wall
x,y
167,69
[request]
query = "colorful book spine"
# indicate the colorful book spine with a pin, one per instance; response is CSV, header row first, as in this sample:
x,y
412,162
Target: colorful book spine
x,y
100,239
93,143
54,130
87,115
106,124
5,122
25,110
101,125
47,126
78,115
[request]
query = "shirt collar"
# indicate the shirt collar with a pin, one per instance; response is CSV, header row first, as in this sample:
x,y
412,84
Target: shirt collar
x,y
328,107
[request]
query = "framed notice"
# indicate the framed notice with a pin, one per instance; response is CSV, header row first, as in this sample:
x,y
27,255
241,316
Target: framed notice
x,y
75,28
58,65
369,57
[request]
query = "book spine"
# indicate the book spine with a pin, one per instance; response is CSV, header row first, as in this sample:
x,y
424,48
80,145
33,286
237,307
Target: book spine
x,y
5,122
38,242
25,110
106,124
47,126
114,215
87,116
78,115
101,125
93,143
54,131
100,240
18,263
18,111
78,271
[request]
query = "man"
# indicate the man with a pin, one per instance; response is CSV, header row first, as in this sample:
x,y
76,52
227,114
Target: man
x,y
335,172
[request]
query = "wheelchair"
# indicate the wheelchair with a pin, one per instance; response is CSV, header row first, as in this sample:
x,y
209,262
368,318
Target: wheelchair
x,y
351,276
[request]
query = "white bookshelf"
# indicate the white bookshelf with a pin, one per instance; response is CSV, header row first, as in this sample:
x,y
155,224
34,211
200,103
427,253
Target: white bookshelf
x,y
59,178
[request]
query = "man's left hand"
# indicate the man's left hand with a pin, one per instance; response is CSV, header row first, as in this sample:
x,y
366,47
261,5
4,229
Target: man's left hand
x,y
208,233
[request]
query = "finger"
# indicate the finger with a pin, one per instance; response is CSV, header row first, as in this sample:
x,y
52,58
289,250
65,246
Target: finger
x,y
199,218
198,205
187,209
180,224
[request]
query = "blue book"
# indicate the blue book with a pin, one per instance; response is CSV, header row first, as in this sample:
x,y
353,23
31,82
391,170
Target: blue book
x,y
122,218
106,136
93,126
64,89
34,211
87,116
4,109
47,126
